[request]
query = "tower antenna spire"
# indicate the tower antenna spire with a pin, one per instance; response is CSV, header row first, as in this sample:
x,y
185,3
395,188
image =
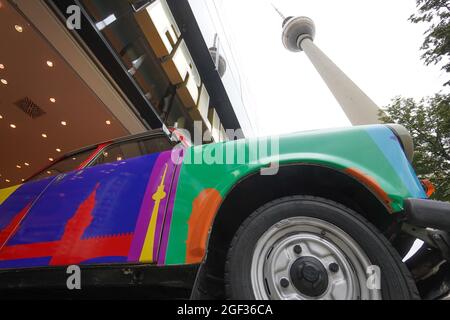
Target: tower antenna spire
x,y
279,12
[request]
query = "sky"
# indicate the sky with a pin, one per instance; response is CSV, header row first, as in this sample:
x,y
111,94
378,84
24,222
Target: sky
x,y
371,41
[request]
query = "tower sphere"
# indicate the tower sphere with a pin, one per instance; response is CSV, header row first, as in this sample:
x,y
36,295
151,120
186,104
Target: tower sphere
x,y
222,67
297,29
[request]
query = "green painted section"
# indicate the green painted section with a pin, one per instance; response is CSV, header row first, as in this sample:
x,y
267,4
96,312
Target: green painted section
x,y
339,149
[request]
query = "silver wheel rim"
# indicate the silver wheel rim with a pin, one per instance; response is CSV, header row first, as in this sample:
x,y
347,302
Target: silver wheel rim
x,y
275,255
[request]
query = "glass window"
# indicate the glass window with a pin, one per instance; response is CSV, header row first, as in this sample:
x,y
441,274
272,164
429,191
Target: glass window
x,y
64,165
125,35
133,149
127,40
160,144
118,153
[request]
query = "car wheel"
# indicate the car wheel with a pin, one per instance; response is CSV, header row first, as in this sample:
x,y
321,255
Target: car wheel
x,y
308,248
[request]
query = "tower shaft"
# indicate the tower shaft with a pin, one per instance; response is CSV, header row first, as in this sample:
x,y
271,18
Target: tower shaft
x,y
358,107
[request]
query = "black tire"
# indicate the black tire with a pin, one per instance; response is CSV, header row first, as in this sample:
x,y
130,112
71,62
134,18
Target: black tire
x,y
396,280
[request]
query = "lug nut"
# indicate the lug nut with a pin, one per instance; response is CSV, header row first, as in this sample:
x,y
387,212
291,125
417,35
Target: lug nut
x,y
298,249
334,267
284,283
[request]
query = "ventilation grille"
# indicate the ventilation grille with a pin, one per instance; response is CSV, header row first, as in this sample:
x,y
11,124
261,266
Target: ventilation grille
x,y
30,108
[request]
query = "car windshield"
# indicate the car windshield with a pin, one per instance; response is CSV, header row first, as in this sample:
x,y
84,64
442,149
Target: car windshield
x,y
64,165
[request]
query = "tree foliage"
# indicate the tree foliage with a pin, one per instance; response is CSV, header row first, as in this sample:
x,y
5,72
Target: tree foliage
x,y
437,38
428,120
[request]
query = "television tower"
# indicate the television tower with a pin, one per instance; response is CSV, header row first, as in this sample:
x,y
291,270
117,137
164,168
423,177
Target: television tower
x,y
219,60
298,35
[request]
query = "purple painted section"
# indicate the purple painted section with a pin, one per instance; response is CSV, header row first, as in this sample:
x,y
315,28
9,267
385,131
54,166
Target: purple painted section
x,y
148,203
169,212
163,207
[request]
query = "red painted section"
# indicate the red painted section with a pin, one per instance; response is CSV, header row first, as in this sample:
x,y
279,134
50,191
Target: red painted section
x,y
204,209
372,184
75,229
93,155
71,249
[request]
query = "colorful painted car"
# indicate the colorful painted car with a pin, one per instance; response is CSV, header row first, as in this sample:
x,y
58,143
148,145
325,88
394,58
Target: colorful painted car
x,y
315,215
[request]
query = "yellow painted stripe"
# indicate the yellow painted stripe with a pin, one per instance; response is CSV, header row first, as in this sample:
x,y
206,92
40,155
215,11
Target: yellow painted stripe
x,y
158,196
147,249
5,193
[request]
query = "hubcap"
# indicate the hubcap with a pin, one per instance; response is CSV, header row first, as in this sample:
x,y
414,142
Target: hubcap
x,y
309,276
305,258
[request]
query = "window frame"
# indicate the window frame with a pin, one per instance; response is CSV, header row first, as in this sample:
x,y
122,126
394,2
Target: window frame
x,y
91,149
152,136
97,149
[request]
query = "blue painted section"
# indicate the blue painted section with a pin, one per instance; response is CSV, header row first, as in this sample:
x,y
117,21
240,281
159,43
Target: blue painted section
x,y
106,260
118,200
23,196
388,143
24,263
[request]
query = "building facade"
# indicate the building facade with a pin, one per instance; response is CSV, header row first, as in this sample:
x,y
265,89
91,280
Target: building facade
x,y
83,71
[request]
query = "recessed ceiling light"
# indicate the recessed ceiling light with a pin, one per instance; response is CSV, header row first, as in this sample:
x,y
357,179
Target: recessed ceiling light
x,y
23,180
26,164
1,117
58,150
52,100
44,135
74,158
7,181
18,28
2,66
13,126
64,123
51,159
4,81
18,167
108,122
49,172
50,64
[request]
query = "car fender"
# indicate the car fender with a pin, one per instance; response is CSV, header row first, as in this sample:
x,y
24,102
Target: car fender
x,y
365,153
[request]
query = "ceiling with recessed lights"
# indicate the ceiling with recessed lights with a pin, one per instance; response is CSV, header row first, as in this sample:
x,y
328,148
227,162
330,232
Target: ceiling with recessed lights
x,y
45,107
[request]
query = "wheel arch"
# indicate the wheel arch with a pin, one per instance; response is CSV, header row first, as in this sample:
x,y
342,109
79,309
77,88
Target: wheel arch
x,y
351,189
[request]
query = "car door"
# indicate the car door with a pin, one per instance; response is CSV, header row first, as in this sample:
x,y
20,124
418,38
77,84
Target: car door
x,y
15,202
110,212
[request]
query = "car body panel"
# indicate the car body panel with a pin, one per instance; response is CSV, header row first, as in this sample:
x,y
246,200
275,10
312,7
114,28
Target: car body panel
x,y
15,203
372,154
159,209
112,213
